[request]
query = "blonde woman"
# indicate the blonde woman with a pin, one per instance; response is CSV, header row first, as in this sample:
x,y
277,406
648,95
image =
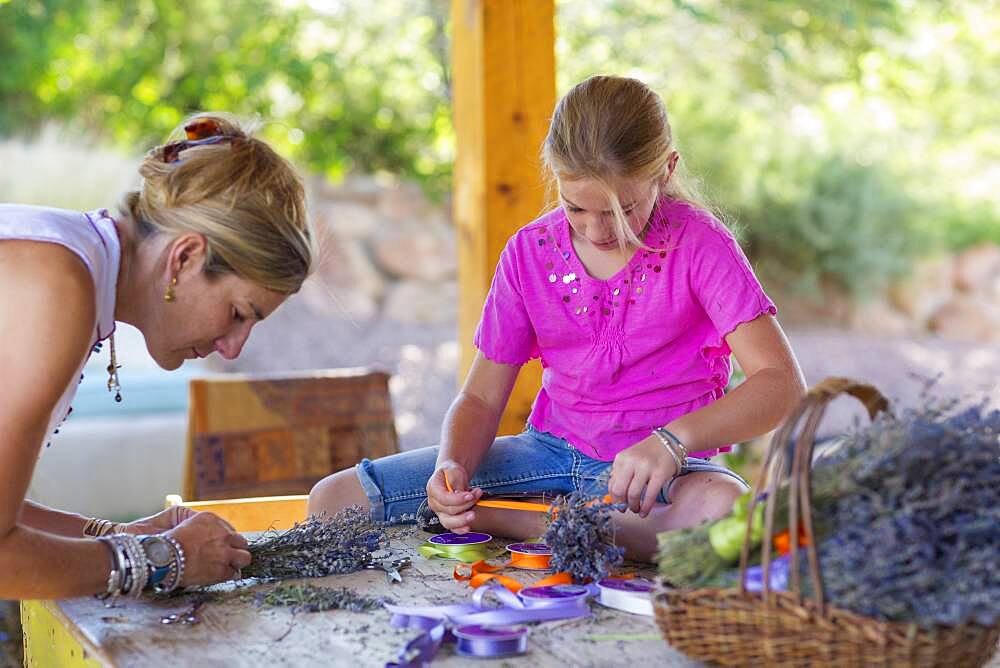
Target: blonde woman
x,y
212,243
633,295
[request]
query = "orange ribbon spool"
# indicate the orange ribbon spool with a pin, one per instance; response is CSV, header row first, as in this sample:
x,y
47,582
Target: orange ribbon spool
x,y
531,562
481,572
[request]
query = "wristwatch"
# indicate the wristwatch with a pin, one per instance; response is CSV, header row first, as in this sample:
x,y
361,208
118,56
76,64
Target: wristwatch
x,y
160,556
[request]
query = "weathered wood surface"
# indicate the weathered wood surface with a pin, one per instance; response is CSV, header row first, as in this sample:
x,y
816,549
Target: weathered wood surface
x,y
232,632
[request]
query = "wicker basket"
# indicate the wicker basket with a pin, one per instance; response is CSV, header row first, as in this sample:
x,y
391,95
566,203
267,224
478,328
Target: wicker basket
x,y
734,627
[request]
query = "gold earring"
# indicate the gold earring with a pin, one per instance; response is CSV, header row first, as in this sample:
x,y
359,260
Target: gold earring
x,y
168,296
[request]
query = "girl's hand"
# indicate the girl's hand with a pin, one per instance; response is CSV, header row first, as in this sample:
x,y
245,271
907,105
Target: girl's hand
x,y
213,551
164,520
453,507
643,467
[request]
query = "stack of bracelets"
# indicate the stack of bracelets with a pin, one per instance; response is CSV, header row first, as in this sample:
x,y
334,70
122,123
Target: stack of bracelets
x,y
141,562
97,527
674,447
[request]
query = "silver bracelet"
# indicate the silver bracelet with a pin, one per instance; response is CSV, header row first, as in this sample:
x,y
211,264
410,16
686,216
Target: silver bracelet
x,y
138,570
674,446
115,575
173,579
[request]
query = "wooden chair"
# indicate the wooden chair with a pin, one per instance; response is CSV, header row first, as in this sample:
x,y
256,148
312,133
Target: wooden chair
x,y
278,435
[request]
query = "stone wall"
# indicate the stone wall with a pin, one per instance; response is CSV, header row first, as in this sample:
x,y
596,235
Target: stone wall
x,y
390,254
387,252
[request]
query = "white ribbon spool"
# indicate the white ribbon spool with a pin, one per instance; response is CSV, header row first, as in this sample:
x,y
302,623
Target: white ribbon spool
x,y
632,595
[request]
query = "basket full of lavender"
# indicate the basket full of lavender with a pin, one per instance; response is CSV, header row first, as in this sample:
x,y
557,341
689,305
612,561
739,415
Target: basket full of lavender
x,y
893,538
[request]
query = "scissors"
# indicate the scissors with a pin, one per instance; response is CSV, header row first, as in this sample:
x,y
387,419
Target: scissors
x,y
390,566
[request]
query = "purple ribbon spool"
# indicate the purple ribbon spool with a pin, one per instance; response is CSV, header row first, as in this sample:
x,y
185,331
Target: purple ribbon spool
x,y
490,642
534,549
471,538
554,595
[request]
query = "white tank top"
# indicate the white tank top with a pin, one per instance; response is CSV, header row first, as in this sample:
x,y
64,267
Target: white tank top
x,y
93,237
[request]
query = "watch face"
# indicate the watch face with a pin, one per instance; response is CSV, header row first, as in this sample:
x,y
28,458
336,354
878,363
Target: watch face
x,y
158,552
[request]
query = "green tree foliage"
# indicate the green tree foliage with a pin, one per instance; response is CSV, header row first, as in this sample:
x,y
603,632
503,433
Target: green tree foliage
x,y
841,136
350,86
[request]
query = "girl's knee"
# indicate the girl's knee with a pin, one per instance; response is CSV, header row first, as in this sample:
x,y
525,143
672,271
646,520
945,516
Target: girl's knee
x,y
711,494
335,492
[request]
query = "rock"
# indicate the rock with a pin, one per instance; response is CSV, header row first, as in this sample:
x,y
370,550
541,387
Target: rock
x,y
325,300
346,282
927,287
404,202
348,219
830,308
360,188
977,267
422,252
967,318
876,317
422,302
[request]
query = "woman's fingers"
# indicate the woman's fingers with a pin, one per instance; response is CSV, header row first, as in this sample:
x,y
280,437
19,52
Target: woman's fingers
x,y
240,558
238,541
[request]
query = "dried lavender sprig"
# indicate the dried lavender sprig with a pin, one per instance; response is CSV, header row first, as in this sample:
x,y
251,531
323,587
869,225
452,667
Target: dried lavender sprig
x,y
312,598
581,537
318,547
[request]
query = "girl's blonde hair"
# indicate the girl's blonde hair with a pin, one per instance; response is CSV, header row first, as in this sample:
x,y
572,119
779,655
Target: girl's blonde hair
x,y
609,128
245,199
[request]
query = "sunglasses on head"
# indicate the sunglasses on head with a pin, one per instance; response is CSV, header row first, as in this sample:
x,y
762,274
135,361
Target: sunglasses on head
x,y
199,133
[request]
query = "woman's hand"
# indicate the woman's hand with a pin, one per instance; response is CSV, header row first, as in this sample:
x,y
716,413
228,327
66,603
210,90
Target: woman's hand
x,y
213,550
453,508
643,467
164,520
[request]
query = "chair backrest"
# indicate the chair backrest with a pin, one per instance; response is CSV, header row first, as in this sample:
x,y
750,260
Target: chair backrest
x,y
275,435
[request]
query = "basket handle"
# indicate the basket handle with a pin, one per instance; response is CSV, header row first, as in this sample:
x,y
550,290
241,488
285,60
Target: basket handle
x,y
812,408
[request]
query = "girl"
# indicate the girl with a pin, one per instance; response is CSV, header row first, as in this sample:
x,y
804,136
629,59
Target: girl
x,y
213,242
633,295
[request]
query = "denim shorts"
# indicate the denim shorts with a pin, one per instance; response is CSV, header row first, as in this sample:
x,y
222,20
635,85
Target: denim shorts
x,y
532,461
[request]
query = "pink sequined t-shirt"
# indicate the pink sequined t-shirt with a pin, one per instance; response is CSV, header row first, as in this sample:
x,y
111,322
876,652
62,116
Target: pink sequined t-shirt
x,y
624,355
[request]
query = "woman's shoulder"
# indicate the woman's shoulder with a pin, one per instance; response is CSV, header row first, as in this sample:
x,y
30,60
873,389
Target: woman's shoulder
x,y
31,212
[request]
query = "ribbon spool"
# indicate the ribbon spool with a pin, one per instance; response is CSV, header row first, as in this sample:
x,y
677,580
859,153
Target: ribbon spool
x,y
480,573
629,595
554,595
530,556
490,642
465,547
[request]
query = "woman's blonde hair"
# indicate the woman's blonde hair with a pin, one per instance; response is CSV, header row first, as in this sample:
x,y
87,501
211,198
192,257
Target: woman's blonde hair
x,y
608,128
245,199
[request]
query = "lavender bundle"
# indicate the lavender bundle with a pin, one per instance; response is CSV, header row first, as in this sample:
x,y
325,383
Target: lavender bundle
x,y
581,537
311,598
318,547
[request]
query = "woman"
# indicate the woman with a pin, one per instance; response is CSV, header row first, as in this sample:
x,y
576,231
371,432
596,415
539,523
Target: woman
x,y
213,242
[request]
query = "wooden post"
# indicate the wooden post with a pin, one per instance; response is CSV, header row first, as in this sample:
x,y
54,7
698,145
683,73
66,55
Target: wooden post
x,y
503,62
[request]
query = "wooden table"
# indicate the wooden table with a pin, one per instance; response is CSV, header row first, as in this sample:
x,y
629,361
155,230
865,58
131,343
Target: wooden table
x,y
232,632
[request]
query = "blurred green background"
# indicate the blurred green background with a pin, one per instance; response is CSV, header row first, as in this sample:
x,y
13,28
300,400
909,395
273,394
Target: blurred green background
x,y
842,138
